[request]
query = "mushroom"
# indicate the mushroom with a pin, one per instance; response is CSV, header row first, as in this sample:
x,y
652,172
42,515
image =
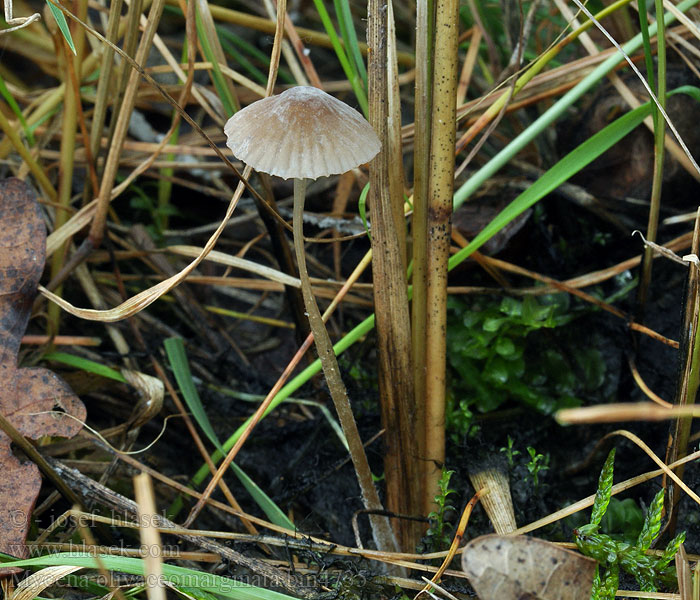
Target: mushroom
x,y
304,133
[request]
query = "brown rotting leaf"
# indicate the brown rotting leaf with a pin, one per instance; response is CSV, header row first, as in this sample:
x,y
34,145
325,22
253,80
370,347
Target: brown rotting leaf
x,y
29,398
517,567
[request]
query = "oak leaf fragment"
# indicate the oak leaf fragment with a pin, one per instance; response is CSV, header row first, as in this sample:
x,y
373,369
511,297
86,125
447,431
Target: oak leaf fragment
x,y
26,392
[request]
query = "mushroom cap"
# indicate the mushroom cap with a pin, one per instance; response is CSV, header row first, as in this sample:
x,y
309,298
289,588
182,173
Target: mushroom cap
x,y
301,133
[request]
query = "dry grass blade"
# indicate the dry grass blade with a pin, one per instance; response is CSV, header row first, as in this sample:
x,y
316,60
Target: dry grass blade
x,y
32,586
685,578
457,540
676,479
151,392
137,303
150,537
122,124
617,413
492,481
398,407
238,263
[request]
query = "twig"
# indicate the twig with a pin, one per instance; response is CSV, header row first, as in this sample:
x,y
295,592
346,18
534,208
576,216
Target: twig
x,y
90,489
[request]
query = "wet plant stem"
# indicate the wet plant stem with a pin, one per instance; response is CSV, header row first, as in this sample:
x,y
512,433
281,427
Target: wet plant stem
x,y
659,135
381,529
440,198
687,387
421,177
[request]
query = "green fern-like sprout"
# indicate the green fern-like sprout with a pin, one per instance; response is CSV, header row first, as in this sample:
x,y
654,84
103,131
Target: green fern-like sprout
x,y
612,555
438,534
652,524
610,583
604,492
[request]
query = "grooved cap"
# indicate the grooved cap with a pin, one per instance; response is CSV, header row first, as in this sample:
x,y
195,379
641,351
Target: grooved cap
x,y
302,133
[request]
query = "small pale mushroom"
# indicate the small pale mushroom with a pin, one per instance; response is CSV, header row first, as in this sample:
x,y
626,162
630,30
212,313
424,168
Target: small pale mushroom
x,y
304,133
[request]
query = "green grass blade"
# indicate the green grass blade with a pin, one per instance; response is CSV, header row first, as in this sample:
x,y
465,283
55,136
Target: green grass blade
x,y
547,118
357,333
569,165
178,576
335,426
175,350
62,25
258,55
266,504
362,208
89,366
349,35
9,98
216,74
648,54
343,57
244,46
248,67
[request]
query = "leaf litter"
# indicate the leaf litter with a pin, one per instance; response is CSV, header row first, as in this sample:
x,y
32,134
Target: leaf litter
x,y
30,398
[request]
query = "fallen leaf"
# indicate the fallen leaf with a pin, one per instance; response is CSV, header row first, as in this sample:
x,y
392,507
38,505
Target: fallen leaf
x,y
24,392
519,567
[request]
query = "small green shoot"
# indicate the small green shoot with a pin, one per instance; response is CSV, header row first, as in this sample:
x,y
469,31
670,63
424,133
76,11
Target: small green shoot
x,y
510,452
438,536
649,570
538,464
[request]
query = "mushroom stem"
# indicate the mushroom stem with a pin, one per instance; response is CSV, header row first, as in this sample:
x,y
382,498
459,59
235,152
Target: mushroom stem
x,y
381,530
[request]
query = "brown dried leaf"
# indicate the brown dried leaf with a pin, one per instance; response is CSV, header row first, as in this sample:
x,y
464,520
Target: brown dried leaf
x,y
24,392
517,567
